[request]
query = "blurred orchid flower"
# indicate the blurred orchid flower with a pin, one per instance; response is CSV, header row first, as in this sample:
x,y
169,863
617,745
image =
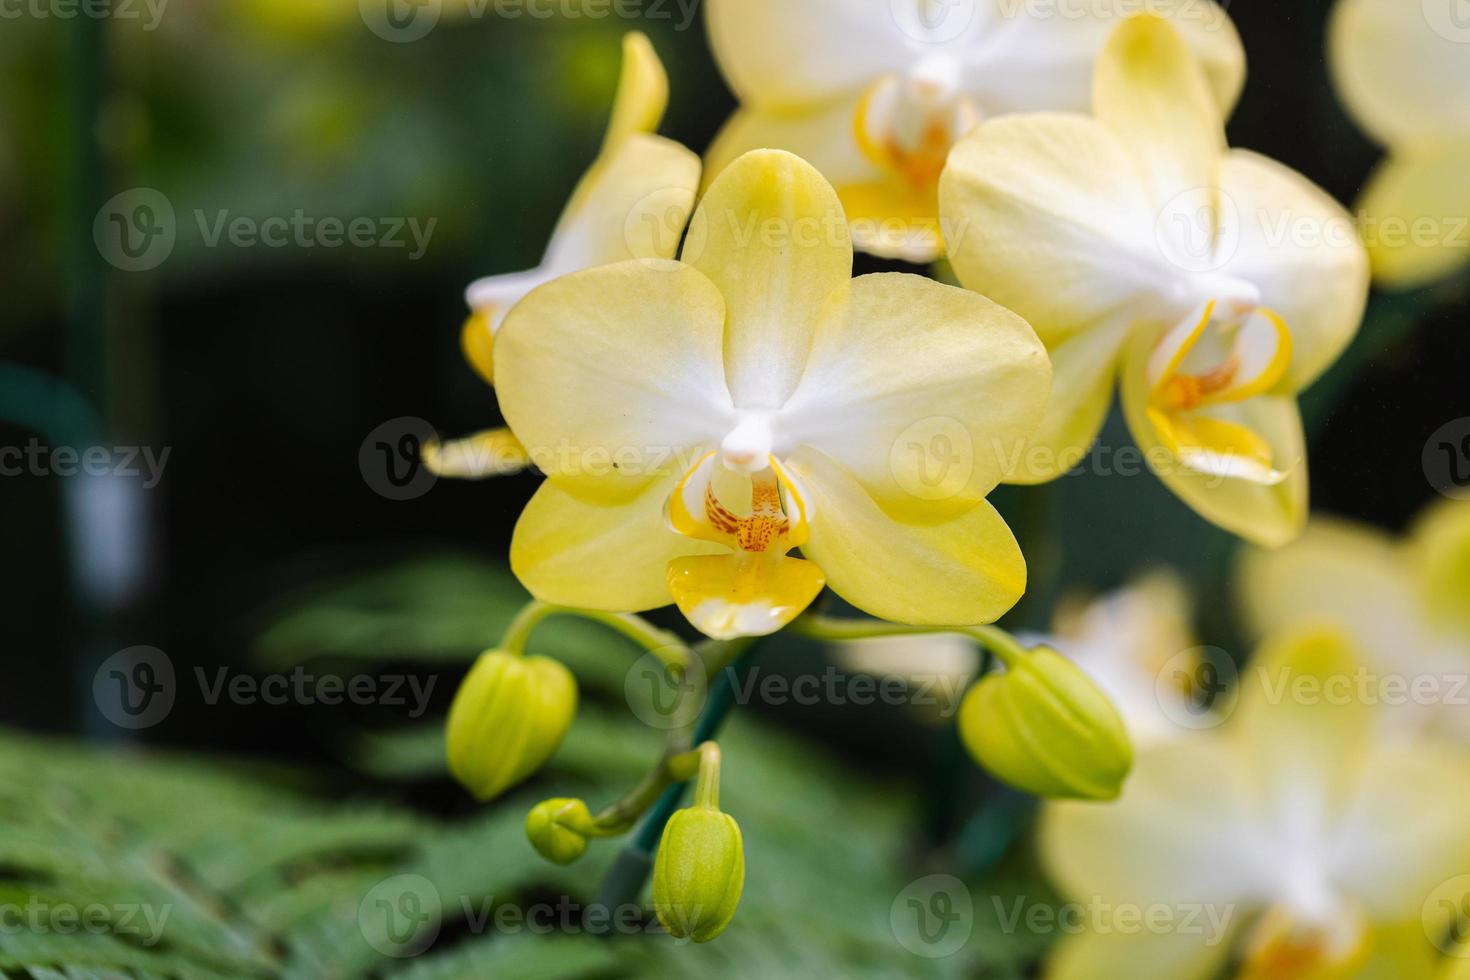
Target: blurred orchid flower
x,y
632,203
875,92
1131,642
699,419
1291,843
1406,602
1404,71
1137,243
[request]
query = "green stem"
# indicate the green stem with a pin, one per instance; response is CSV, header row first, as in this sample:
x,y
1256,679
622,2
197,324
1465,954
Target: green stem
x,y
629,873
994,639
707,789
669,649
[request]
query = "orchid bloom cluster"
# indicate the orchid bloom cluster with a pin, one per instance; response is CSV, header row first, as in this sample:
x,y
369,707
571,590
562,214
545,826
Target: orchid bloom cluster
x,y
730,423
875,93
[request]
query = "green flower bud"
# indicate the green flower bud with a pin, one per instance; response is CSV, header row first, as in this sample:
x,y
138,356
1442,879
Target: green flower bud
x,y
1043,726
559,829
700,869
507,719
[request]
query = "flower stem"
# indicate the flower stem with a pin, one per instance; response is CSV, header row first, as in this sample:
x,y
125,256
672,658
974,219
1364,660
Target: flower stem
x,y
668,647
994,639
629,873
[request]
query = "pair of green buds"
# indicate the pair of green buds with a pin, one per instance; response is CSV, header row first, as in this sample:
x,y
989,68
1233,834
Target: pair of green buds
x,y
699,872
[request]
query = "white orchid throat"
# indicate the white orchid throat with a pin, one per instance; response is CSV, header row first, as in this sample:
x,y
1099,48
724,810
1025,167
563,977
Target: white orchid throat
x,y
1227,351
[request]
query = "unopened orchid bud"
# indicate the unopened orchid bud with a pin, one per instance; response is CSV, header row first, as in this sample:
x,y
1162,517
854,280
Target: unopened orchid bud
x,y
560,829
1044,727
507,719
700,870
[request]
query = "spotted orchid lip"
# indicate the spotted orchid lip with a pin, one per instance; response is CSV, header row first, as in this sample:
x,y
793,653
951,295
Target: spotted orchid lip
x,y
757,588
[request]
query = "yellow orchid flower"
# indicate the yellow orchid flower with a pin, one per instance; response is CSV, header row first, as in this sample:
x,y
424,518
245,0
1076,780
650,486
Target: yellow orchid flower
x,y
1137,644
632,203
1404,71
1406,602
1218,283
875,92
1291,843
697,420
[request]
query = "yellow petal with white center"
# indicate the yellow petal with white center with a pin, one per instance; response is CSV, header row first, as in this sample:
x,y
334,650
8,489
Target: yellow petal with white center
x,y
494,452
1173,954
1415,213
1084,374
1151,92
1303,724
1231,493
1298,246
643,92
771,234
963,571
924,393
633,204
1045,63
612,377
577,552
1182,832
744,594
1401,67
780,54
1045,215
